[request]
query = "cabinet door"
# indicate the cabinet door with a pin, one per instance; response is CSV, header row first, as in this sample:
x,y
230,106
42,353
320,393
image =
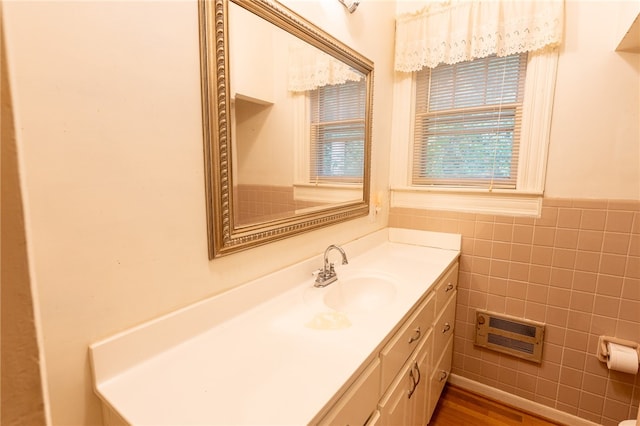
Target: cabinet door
x,y
439,376
394,404
422,363
405,401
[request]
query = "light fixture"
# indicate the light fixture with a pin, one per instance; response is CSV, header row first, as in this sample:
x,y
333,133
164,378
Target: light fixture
x,y
351,5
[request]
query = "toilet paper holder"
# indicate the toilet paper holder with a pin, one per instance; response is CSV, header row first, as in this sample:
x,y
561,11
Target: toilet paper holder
x,y
603,351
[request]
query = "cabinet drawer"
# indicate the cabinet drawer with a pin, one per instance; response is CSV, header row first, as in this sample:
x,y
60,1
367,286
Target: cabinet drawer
x,y
445,288
398,350
444,325
439,377
357,404
427,311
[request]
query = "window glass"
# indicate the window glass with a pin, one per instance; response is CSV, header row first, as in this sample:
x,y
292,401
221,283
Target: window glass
x,y
467,122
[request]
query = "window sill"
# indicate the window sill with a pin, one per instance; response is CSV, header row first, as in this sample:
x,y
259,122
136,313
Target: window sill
x,y
327,193
498,202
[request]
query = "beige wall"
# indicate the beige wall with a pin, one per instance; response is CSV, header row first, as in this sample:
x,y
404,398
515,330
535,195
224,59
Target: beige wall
x,y
107,110
595,131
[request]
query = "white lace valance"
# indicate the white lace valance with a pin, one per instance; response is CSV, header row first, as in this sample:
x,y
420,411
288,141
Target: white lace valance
x,y
310,68
461,30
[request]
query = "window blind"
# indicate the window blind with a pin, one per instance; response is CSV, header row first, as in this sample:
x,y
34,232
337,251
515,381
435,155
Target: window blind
x,y
467,123
337,132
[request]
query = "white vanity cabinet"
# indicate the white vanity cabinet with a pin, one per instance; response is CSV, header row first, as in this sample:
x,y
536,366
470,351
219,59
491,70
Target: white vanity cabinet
x,y
233,358
413,365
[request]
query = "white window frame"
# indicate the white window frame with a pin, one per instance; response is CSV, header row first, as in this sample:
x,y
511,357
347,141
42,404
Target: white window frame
x,y
526,198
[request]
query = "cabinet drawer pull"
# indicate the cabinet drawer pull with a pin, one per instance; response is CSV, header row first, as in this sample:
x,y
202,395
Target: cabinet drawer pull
x,y
449,287
414,381
411,391
446,327
443,376
417,368
416,335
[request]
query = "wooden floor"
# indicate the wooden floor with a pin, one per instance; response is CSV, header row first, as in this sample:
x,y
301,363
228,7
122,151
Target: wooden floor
x,y
458,407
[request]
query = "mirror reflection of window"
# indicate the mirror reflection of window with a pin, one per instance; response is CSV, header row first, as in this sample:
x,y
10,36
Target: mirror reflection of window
x,y
337,123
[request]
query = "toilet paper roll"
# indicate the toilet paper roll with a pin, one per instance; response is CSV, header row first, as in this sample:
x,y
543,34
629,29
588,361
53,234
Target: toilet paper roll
x,y
622,358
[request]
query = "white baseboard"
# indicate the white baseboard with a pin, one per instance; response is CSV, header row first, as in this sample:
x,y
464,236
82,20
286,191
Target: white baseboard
x,y
519,402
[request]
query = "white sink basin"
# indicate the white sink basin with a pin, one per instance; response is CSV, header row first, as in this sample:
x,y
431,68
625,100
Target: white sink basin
x,y
361,293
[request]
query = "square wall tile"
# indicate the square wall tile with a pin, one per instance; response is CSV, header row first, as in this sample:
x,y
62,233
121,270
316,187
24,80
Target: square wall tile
x,y
593,220
569,218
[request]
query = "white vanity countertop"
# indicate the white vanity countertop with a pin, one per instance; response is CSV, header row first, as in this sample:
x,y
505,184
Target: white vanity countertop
x,y
279,361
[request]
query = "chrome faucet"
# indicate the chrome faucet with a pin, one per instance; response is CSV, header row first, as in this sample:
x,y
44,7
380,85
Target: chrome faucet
x,y
327,274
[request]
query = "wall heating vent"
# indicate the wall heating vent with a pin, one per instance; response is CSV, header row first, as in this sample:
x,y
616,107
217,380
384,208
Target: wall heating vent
x,y
510,335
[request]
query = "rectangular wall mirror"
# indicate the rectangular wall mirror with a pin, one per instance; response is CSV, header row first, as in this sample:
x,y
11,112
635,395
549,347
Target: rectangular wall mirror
x,y
287,125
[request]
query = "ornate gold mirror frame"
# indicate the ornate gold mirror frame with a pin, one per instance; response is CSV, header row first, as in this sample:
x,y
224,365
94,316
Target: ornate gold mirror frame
x,y
225,236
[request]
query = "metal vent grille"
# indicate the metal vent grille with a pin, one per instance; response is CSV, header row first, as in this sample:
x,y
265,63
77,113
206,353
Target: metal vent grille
x,y
510,335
